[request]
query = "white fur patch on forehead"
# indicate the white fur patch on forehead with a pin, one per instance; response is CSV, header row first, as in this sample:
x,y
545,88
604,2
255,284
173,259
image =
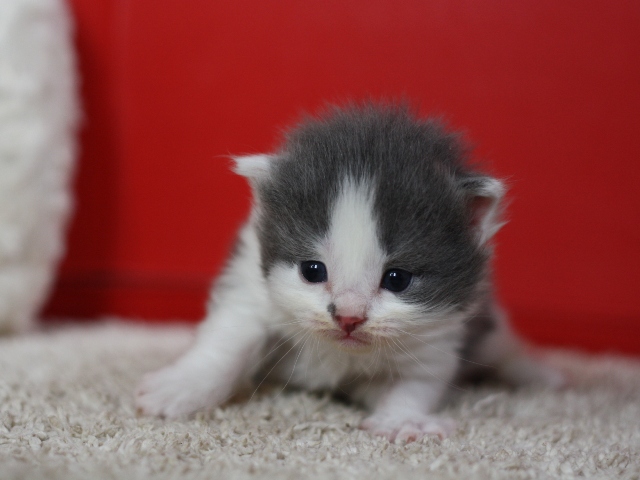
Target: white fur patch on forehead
x,y
353,249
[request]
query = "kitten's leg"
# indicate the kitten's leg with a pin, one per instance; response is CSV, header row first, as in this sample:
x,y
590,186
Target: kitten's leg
x,y
402,411
228,345
206,375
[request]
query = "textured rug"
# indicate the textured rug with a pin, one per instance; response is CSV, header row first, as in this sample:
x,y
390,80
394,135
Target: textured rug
x,y
66,412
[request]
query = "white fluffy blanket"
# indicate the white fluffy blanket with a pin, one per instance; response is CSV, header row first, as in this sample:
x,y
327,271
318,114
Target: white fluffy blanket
x,y
38,118
67,413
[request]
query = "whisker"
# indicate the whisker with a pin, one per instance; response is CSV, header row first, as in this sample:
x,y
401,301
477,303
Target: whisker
x,y
411,355
274,366
377,360
389,363
295,322
365,370
432,334
443,351
280,343
314,351
295,363
398,369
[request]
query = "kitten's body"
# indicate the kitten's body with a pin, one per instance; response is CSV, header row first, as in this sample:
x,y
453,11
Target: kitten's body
x,y
363,268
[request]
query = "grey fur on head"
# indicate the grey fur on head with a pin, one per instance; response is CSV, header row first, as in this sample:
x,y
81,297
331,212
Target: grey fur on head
x,y
426,197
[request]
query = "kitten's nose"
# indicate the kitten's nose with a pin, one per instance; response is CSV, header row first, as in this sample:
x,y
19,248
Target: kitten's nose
x,y
349,324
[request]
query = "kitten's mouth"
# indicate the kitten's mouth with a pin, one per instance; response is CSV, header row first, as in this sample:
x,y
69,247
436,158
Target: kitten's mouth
x,y
353,340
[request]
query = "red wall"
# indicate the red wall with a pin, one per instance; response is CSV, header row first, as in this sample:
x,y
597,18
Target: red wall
x,y
547,90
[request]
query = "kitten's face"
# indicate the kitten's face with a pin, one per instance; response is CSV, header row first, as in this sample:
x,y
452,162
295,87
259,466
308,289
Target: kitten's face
x,y
366,226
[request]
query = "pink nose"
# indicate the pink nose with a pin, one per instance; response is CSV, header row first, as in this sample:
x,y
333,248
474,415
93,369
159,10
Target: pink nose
x,y
349,324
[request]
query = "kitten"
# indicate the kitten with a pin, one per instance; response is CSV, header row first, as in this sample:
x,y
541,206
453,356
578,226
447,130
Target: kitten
x,y
364,268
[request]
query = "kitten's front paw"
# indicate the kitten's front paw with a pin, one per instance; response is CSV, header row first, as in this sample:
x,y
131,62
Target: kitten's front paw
x,y
171,393
404,429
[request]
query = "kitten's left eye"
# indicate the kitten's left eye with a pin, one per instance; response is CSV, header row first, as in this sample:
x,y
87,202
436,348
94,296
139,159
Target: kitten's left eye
x,y
396,280
313,271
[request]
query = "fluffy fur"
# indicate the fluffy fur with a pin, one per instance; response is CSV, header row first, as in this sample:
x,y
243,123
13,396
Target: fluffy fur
x,y
364,193
38,119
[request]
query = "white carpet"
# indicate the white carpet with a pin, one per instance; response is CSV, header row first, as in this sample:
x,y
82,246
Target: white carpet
x,y
67,413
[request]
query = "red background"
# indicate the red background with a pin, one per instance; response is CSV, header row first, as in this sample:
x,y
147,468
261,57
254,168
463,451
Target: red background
x,y
546,90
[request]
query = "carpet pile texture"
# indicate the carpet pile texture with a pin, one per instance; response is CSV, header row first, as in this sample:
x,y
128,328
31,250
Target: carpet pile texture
x,y
67,412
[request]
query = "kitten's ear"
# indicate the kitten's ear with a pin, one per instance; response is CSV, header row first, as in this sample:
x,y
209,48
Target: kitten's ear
x,y
253,167
484,195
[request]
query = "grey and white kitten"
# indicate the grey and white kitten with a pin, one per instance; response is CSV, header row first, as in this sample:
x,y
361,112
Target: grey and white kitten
x,y
364,268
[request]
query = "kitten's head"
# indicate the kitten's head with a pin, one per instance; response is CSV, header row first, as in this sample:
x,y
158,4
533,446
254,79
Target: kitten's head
x,y
371,225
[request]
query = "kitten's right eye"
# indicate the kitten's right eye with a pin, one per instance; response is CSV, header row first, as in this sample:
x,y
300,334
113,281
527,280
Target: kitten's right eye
x,y
314,272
